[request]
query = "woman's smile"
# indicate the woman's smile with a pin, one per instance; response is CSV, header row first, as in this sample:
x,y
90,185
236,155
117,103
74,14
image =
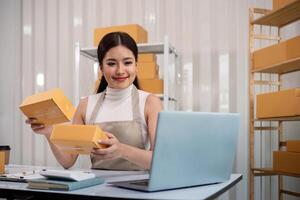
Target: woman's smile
x,y
120,78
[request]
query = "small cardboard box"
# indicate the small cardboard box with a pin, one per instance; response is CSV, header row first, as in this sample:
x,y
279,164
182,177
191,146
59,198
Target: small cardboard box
x,y
281,3
293,48
285,103
155,86
77,139
147,70
293,146
288,162
50,107
146,57
269,55
138,33
277,53
2,162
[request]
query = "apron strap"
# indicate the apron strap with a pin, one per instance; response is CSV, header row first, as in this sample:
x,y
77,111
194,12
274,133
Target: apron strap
x,y
136,112
96,108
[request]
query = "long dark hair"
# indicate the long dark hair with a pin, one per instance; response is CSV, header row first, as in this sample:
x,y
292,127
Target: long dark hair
x,y
109,41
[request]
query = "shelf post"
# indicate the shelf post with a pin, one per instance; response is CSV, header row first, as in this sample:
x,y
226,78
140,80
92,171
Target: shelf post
x,y
166,74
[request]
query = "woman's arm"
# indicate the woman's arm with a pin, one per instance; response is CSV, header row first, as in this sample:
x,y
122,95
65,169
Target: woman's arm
x,y
135,155
65,159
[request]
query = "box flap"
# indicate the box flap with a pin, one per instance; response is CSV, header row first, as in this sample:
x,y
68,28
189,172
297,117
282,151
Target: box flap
x,y
42,96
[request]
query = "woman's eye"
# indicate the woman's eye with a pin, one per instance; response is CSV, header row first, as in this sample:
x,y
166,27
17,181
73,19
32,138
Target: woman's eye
x,y
111,64
128,62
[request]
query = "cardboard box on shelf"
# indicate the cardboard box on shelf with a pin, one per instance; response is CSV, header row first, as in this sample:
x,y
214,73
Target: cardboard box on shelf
x,y
269,55
146,57
277,4
155,86
147,70
138,33
77,138
293,48
277,53
288,162
50,107
285,103
293,146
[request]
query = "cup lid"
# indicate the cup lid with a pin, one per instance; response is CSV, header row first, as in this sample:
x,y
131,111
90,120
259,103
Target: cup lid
x,y
4,147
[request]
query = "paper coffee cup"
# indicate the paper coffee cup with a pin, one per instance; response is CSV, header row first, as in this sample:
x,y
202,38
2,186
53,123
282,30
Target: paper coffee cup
x,y
6,150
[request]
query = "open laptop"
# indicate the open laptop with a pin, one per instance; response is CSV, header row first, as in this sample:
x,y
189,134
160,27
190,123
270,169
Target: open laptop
x,y
191,148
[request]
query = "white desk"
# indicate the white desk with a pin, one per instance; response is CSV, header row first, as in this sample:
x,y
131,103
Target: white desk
x,y
108,191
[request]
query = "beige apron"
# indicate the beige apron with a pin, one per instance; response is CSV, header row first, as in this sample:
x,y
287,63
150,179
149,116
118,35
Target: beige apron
x,y
127,132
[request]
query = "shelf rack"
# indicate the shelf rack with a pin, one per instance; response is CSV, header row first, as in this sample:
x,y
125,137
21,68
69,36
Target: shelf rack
x,y
278,18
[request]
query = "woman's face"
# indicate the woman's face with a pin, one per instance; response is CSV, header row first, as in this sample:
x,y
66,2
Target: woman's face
x,y
119,67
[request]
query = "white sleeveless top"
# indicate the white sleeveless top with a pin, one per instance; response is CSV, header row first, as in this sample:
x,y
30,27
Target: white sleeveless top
x,y
117,107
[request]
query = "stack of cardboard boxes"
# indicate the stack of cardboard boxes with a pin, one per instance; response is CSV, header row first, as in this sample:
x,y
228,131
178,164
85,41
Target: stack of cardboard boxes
x,y
147,68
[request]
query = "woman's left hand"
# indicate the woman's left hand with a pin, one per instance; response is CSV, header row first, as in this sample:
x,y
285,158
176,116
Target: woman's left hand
x,y
113,151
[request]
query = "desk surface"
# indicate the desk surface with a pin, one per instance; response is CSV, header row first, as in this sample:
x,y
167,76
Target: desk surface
x,y
107,190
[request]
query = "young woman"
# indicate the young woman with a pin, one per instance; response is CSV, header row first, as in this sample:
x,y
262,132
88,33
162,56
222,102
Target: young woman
x,y
127,115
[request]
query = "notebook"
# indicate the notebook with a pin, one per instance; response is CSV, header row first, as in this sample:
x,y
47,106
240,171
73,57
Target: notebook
x,y
51,184
191,149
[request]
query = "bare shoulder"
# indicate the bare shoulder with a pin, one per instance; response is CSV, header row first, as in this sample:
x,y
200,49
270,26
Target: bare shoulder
x,y
79,116
153,103
83,102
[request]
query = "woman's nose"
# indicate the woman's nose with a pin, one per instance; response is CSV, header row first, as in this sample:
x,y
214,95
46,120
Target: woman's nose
x,y
120,69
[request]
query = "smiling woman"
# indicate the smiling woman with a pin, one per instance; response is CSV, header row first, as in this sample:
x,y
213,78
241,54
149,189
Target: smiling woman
x,y
117,56
126,114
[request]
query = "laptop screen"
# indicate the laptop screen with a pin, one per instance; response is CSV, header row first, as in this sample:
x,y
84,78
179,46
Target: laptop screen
x,y
193,148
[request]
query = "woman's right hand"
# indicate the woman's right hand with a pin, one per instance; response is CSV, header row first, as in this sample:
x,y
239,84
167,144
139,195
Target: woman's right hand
x,y
39,128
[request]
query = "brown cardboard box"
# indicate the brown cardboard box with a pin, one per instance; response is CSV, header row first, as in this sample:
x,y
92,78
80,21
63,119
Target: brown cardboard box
x,y
138,33
77,138
277,53
281,3
286,162
50,107
155,86
269,55
2,162
293,146
293,47
148,57
285,103
147,70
